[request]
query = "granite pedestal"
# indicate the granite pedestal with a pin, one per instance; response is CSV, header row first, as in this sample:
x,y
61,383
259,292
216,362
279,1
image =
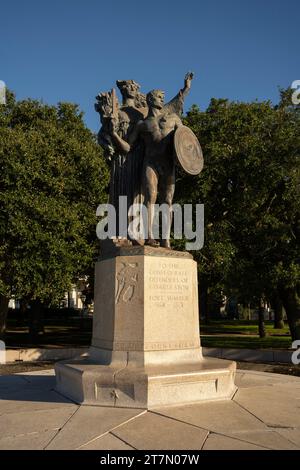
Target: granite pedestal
x,y
145,350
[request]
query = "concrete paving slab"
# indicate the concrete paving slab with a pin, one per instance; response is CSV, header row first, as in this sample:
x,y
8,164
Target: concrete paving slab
x,y
16,382
293,388
40,381
283,356
249,355
89,423
238,377
265,413
32,399
219,442
20,423
223,416
107,442
212,352
152,431
10,382
284,378
269,439
244,379
31,441
292,434
278,405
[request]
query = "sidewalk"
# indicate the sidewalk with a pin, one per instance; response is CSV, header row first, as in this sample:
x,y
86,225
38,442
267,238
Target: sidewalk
x,y
235,354
264,414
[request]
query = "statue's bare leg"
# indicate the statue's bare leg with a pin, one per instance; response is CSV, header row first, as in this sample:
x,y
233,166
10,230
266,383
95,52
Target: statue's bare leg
x,y
150,183
166,194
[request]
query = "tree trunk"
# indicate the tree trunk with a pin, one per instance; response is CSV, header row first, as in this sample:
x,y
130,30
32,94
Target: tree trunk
x,y
35,320
261,320
291,302
4,301
277,305
204,302
22,312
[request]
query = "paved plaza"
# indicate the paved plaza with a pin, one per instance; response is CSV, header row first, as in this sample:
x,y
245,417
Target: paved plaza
x,y
263,414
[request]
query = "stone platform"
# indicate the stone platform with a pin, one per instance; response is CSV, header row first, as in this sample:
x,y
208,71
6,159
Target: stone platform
x,y
88,383
263,414
146,348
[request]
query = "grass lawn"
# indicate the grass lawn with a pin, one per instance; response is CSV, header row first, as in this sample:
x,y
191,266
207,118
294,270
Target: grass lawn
x,y
220,334
62,335
244,327
246,342
243,334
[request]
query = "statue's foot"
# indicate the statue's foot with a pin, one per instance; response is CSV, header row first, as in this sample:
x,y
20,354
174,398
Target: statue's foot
x,y
119,241
152,242
165,244
138,242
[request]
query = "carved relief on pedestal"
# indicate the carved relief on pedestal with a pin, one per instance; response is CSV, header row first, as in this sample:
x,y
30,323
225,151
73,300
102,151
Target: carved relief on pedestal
x,y
127,278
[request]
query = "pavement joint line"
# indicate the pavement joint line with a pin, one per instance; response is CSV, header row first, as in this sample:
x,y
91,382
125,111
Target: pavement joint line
x,y
278,426
242,440
69,399
112,429
92,440
209,431
237,388
180,421
205,439
287,438
60,429
123,440
250,412
26,380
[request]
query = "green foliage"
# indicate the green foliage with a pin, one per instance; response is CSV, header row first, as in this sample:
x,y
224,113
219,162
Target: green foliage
x,y
52,179
250,187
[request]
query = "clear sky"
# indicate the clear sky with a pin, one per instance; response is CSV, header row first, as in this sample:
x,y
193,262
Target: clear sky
x,y
69,50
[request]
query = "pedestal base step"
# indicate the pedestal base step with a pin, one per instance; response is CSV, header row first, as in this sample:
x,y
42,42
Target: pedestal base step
x,y
89,383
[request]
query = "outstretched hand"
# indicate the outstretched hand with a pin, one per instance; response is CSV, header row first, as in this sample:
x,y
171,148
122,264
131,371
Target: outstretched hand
x,y
187,79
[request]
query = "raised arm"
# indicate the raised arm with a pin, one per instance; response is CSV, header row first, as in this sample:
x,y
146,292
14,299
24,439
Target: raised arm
x,y
176,104
187,84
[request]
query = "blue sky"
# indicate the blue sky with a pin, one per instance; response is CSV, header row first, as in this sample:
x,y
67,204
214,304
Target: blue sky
x,y
69,50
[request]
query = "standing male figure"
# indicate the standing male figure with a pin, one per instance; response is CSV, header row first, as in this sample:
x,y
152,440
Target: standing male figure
x,y
157,134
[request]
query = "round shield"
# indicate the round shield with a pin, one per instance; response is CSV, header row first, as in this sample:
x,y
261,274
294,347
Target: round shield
x,y
188,150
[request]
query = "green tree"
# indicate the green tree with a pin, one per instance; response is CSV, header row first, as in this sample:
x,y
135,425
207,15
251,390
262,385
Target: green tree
x,y
52,179
216,257
250,187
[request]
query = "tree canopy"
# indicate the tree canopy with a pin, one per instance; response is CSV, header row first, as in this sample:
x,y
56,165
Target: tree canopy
x,y
52,179
250,187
